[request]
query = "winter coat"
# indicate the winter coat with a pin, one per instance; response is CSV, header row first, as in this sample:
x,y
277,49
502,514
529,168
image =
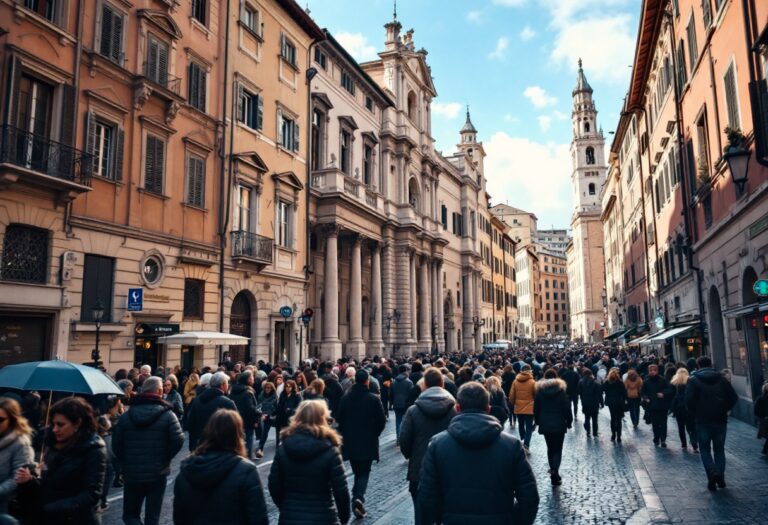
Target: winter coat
x,y
591,395
400,392
190,391
571,378
218,488
286,408
552,408
633,387
709,397
615,394
333,392
245,400
146,439
429,415
523,393
361,420
307,481
489,480
201,410
678,406
15,452
268,404
499,406
70,487
507,378
652,386
173,398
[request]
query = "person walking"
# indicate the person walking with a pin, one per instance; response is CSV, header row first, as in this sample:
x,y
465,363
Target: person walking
x,y
67,491
333,391
430,414
217,484
400,392
172,397
268,408
144,441
489,479
206,403
15,448
521,399
287,404
761,413
709,397
685,420
615,394
553,417
244,397
656,395
571,378
307,481
499,406
633,384
591,401
361,420
190,389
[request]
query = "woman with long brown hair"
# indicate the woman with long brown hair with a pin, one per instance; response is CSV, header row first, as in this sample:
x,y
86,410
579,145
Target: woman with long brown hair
x,y
307,480
15,448
288,402
615,399
216,484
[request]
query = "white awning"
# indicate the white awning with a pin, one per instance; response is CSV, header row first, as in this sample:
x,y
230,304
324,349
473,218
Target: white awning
x,y
660,337
639,340
203,339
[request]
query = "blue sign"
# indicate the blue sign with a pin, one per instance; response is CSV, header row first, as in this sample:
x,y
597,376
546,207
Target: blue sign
x,y
135,299
761,288
286,311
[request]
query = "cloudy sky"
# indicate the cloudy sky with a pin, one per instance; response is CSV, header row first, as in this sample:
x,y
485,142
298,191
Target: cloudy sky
x,y
514,62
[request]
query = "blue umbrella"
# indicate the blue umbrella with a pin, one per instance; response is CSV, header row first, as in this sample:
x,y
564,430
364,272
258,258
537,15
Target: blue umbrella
x,y
58,376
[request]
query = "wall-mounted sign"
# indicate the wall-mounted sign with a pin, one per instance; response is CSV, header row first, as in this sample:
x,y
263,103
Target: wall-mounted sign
x,y
135,299
761,288
286,311
156,329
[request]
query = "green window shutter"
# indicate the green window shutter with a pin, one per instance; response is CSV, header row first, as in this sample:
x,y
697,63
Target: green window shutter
x,y
105,45
118,156
240,103
259,112
117,37
162,64
296,135
90,138
193,85
150,70
280,127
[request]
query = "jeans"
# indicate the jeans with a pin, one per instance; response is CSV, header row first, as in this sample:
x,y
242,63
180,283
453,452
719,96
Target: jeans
x,y
249,434
634,410
685,423
590,422
554,450
575,403
362,471
151,494
525,427
399,413
266,424
617,416
659,425
712,437
413,488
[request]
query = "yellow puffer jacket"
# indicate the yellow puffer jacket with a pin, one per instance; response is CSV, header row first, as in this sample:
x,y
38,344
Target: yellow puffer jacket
x,y
522,393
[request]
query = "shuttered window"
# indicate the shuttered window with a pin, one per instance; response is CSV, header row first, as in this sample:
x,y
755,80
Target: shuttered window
x,y
195,181
682,73
194,298
199,11
250,108
105,144
98,279
693,49
287,50
706,9
731,97
154,164
197,84
288,132
444,216
111,36
156,67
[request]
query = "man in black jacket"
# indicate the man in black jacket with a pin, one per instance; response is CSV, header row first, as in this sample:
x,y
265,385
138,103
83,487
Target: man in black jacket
x,y
144,441
361,420
473,473
709,396
333,390
205,404
571,378
429,415
244,398
657,394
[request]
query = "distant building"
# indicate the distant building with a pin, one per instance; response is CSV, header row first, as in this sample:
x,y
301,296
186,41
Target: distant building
x,y
552,240
522,223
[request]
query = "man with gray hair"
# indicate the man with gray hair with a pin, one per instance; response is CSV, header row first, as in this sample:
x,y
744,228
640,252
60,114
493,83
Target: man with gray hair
x,y
144,441
205,404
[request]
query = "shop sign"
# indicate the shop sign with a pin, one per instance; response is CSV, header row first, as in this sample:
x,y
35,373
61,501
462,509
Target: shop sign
x,y
286,311
761,288
135,299
156,329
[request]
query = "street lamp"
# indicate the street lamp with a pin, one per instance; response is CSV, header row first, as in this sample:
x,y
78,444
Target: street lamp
x,y
477,323
434,334
737,158
97,312
394,316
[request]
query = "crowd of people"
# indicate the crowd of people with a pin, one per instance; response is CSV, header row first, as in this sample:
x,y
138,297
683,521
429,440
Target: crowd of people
x,y
59,462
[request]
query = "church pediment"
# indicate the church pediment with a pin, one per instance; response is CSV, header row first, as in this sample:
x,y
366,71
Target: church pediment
x,y
161,21
417,63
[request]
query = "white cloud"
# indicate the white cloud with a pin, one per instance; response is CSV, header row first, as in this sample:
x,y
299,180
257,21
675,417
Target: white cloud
x,y
545,122
356,45
510,3
449,110
527,33
501,47
559,115
474,16
538,97
509,117
530,175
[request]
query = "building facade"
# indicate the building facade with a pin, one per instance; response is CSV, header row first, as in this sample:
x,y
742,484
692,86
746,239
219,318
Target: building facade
x,y
554,312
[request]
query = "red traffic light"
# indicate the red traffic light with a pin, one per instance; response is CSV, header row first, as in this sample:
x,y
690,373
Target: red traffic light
x,y
309,312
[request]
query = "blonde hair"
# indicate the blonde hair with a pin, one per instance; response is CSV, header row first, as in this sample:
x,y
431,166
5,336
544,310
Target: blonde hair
x,y
681,377
312,418
16,422
493,384
614,375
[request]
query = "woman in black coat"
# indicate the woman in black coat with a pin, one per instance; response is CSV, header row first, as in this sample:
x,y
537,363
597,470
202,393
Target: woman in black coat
x,y
216,484
307,480
286,407
615,399
68,489
591,400
552,414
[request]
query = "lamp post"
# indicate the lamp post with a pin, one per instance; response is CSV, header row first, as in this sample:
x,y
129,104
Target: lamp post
x,y
737,158
394,316
477,323
97,312
434,334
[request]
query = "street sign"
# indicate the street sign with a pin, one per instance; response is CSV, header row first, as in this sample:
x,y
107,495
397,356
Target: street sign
x,y
135,299
761,288
659,321
286,311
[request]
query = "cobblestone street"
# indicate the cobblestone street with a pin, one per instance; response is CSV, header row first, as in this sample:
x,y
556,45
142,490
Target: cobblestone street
x,y
636,483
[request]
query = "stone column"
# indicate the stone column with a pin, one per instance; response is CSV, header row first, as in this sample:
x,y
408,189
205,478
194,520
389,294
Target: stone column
x,y
478,311
376,344
414,300
355,345
401,332
468,308
331,346
425,298
439,306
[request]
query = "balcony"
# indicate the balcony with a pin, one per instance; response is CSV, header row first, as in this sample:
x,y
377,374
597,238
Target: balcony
x,y
165,87
39,161
333,182
252,248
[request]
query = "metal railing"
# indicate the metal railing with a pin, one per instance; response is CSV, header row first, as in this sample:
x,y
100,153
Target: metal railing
x,y
38,153
163,79
25,256
252,246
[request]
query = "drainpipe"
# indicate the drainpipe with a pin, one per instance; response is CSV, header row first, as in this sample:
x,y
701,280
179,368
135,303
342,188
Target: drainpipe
x,y
76,119
224,206
310,74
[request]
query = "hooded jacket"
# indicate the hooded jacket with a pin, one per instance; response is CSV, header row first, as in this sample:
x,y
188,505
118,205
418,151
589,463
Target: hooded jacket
x,y
709,397
203,407
429,415
552,409
219,488
473,473
400,392
15,452
633,386
244,398
146,439
522,393
307,481
571,378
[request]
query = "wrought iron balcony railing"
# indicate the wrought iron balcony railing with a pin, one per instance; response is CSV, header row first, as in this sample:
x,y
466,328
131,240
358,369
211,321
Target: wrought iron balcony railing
x,y
38,153
252,246
162,79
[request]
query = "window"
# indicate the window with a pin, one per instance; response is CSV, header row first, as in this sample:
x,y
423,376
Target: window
x,y
731,97
707,205
367,164
369,104
199,10
250,108
25,254
98,279
591,188
195,181
250,18
243,211
590,155
706,9
111,34
284,224
154,164
412,105
152,270
48,9
347,83
287,50
702,135
586,127
320,58
105,143
194,298
156,66
288,132
693,50
345,153
197,81
444,216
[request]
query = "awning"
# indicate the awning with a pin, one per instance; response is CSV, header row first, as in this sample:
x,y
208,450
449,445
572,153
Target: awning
x,y
617,334
203,339
660,337
754,308
639,340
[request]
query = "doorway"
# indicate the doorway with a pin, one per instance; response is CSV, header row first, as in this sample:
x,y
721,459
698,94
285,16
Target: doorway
x,y
240,324
281,349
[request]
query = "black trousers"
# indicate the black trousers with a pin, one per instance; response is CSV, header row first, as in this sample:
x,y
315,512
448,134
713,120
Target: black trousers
x,y
575,403
617,415
362,471
591,417
554,450
659,425
685,422
413,488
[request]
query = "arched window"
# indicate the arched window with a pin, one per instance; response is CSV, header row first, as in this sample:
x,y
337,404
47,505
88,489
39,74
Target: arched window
x,y
586,127
412,106
590,155
591,188
413,193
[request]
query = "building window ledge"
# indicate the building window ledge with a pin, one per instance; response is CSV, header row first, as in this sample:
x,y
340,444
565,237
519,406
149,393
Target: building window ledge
x,y
23,13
